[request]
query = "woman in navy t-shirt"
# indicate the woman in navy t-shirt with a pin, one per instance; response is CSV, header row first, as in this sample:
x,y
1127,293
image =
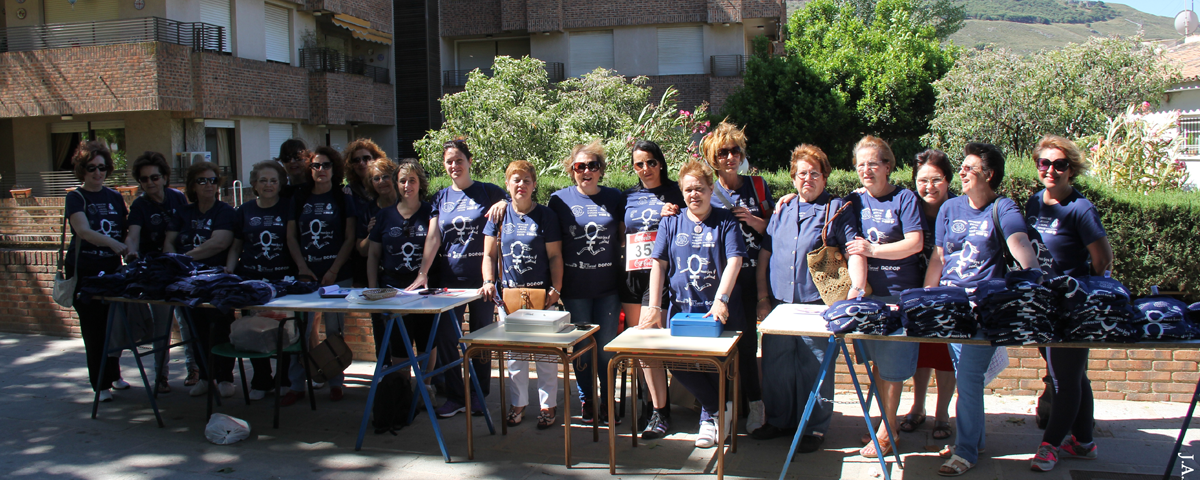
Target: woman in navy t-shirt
x,y
358,156
965,254
204,230
97,216
527,245
592,221
1061,221
697,256
891,237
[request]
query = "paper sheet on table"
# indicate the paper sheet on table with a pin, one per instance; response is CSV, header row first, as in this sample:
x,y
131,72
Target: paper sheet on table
x,y
401,298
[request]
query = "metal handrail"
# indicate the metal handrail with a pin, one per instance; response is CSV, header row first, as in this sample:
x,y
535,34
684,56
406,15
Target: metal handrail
x,y
727,65
201,37
323,59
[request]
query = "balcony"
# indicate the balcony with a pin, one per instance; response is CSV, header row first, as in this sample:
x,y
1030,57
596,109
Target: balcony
x,y
458,78
200,37
727,65
333,61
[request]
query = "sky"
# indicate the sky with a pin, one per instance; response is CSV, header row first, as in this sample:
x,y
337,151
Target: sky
x,y
1165,8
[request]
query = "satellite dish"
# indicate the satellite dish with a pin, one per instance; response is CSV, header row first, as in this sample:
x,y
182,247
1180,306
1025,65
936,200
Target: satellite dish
x,y
1186,23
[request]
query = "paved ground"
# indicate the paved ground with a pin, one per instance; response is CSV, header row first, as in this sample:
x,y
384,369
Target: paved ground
x,y
45,432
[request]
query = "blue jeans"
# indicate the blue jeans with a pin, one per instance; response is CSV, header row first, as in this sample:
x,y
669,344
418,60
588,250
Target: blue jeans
x,y
970,365
792,365
605,312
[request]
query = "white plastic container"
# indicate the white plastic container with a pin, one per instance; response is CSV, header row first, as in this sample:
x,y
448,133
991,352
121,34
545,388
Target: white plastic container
x,y
537,321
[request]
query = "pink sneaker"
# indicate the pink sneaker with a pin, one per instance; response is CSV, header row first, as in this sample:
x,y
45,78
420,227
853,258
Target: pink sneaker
x,y
1071,448
1045,459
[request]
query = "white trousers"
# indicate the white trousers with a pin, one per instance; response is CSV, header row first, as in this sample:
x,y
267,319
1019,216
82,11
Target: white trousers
x,y
518,383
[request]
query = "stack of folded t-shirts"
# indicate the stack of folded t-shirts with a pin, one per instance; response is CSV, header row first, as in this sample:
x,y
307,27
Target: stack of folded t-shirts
x,y
1016,310
1094,309
868,316
941,312
199,289
1164,318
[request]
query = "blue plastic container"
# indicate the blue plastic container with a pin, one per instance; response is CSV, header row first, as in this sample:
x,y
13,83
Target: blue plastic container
x,y
695,325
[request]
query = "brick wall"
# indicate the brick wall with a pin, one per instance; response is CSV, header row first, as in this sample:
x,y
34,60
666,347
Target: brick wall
x,y
26,282
114,78
719,89
469,17
607,13
378,12
478,17
340,97
693,89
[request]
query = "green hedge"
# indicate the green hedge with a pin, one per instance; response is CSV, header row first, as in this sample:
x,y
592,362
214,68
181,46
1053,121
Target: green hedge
x,y
1155,238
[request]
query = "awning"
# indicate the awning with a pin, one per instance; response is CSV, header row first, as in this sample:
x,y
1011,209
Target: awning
x,y
361,29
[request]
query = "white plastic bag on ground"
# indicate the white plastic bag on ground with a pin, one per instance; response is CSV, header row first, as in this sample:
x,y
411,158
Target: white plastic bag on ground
x,y
224,430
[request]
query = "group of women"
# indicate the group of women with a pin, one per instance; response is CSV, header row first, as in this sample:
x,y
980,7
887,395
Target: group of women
x,y
659,248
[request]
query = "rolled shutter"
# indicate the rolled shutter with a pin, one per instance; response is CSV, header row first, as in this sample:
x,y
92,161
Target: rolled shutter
x,y
277,133
279,44
680,50
216,12
590,50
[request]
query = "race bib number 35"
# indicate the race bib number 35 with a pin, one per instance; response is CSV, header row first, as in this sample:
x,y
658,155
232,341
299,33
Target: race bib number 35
x,y
638,248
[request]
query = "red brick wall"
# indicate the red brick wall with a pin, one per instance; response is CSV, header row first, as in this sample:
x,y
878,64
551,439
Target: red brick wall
x,y
469,17
26,281
114,78
378,12
693,89
478,17
607,13
544,15
340,97
719,89
513,14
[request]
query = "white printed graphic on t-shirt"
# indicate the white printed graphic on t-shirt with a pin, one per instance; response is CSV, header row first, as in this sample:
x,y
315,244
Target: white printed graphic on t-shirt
x,y
268,241
522,257
320,233
410,255
591,236
697,270
965,262
461,225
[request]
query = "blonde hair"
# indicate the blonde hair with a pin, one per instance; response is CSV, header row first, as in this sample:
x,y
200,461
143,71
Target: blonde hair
x,y
1072,151
594,149
698,170
724,133
880,146
812,155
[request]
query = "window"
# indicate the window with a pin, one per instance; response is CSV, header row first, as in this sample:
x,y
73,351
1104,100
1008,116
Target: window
x,y
277,133
590,50
65,138
279,38
1189,127
680,50
216,12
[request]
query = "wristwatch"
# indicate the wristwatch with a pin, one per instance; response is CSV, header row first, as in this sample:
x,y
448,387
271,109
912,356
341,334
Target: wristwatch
x,y
723,298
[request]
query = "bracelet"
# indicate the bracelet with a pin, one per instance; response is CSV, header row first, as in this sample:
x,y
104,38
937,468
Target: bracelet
x,y
763,299
555,290
489,282
654,307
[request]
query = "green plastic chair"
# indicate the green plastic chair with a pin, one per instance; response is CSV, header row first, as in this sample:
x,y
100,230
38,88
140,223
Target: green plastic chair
x,y
229,351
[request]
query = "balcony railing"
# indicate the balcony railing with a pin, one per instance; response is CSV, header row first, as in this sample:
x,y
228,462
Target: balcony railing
x,y
727,65
329,60
201,37
458,78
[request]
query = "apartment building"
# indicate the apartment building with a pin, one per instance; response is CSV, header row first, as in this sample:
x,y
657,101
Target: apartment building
x,y
699,46
226,80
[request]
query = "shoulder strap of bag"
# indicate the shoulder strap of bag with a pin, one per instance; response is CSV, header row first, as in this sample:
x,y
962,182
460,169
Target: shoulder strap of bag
x,y
998,232
62,241
829,219
760,193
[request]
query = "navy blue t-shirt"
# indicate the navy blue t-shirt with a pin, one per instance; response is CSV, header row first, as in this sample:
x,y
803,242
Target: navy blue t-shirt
x,y
106,215
1065,229
696,258
263,232
643,206
461,218
195,228
523,246
970,252
154,218
321,223
591,238
403,241
886,220
746,197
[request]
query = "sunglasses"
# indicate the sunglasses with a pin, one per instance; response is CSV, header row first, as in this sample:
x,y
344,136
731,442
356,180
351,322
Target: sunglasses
x,y
322,166
646,164
293,159
205,181
581,167
1060,165
150,178
725,152
93,168
362,159
379,178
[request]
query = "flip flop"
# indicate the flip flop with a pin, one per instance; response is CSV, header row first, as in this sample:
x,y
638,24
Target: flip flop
x,y
911,422
869,450
941,430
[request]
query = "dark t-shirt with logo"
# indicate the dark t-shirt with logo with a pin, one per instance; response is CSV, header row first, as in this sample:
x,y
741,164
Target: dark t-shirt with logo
x,y
195,228
591,236
106,215
263,232
403,242
321,223
154,218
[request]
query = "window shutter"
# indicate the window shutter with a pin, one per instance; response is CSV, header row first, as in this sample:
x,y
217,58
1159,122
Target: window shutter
x,y
277,133
279,44
590,50
61,11
216,12
680,50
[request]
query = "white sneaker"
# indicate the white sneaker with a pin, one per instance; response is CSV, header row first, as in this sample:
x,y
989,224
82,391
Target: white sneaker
x,y
106,396
120,384
708,434
258,394
199,389
225,389
318,385
757,417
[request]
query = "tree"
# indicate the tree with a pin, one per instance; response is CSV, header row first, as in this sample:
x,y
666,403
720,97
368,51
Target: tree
x,y
1009,100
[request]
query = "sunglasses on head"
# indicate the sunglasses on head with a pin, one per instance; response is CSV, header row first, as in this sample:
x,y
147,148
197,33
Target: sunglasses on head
x,y
1060,165
581,167
150,178
205,180
725,152
653,163
93,168
361,159
321,166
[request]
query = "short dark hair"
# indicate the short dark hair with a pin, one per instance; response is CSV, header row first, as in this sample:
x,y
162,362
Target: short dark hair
x,y
459,144
266,165
291,148
87,151
936,158
993,160
151,159
194,171
655,151
335,157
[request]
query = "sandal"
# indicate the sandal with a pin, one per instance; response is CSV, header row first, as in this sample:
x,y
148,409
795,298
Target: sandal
x,y
954,467
948,452
911,422
869,450
193,377
515,415
941,430
546,418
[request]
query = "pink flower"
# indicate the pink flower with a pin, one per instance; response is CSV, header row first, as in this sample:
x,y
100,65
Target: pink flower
x,y
1145,106
685,113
